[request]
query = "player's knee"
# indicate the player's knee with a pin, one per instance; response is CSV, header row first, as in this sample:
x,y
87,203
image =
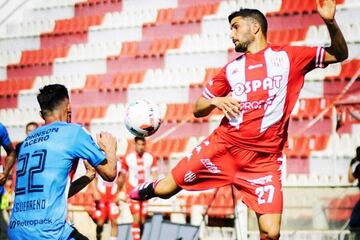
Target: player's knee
x,y
272,233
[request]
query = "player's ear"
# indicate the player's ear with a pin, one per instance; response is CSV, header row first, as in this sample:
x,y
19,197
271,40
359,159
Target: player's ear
x,y
255,27
68,111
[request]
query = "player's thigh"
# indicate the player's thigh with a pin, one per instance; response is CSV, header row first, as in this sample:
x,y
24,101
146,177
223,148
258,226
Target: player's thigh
x,y
209,165
269,225
259,182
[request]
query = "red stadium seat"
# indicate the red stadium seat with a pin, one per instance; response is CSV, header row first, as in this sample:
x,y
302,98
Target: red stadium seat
x,y
97,7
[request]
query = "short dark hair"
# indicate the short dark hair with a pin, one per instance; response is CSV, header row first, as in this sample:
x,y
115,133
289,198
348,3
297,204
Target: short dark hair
x,y
251,13
32,123
139,139
51,96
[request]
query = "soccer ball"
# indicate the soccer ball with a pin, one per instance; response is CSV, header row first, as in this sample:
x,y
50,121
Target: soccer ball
x,y
142,118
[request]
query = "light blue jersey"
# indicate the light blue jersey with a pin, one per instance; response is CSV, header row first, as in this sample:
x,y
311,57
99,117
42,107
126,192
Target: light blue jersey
x,y
44,163
4,137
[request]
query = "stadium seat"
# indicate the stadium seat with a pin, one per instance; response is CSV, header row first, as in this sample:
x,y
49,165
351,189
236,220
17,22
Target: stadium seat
x,y
97,7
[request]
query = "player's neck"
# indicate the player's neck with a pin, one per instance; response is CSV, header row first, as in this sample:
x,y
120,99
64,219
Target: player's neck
x,y
257,46
53,118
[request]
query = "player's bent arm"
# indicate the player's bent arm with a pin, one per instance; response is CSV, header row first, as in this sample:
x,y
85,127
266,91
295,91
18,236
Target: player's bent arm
x,y
229,106
82,181
203,107
9,163
78,185
338,51
107,169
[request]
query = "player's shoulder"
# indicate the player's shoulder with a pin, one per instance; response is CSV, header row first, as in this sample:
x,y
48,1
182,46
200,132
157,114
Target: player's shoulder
x,y
148,155
2,127
130,155
75,127
288,48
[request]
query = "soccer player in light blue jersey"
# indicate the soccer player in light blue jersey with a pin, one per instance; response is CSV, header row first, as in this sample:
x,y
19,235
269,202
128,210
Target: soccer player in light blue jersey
x,y
5,169
45,160
6,166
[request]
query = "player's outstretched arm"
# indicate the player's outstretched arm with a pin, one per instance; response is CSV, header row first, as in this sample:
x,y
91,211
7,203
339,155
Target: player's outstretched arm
x,y
9,163
108,144
82,181
229,106
338,51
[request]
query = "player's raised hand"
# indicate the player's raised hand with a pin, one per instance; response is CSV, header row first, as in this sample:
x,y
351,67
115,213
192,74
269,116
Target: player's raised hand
x,y
229,105
106,141
326,9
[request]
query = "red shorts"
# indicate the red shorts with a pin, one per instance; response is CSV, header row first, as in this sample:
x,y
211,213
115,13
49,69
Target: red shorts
x,y
215,163
105,210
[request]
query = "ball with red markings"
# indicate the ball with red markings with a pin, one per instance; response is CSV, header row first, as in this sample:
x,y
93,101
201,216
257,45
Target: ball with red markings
x,y
142,118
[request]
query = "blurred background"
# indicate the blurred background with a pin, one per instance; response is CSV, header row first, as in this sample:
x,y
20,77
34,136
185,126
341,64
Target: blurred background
x,y
111,52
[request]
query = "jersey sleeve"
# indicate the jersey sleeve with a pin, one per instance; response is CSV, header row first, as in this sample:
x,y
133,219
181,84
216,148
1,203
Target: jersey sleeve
x,y
4,138
218,86
306,59
86,148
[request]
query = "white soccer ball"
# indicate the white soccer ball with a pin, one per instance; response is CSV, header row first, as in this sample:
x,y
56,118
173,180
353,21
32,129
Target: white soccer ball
x,y
142,118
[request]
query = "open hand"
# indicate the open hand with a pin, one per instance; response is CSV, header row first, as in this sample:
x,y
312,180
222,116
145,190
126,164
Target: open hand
x,y
230,106
326,9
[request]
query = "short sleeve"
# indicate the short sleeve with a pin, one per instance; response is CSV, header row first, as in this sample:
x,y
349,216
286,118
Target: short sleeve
x,y
306,59
86,148
4,138
218,86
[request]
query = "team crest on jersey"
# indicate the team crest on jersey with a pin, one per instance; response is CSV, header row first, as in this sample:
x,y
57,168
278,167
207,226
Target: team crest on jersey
x,y
189,177
277,61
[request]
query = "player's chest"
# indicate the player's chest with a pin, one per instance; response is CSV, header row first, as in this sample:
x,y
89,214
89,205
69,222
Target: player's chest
x,y
258,76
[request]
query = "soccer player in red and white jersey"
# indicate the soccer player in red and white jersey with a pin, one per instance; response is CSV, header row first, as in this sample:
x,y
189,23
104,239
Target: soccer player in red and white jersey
x,y
256,92
106,205
139,167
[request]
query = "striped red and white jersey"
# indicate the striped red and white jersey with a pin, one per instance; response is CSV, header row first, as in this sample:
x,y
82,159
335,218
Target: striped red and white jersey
x,y
267,85
138,169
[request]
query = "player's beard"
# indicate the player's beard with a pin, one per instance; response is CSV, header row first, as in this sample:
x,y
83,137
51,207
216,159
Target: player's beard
x,y
242,46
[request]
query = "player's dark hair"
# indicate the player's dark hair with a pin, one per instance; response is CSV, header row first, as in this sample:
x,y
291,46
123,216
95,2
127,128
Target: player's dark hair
x,y
251,13
32,124
358,153
139,139
51,96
